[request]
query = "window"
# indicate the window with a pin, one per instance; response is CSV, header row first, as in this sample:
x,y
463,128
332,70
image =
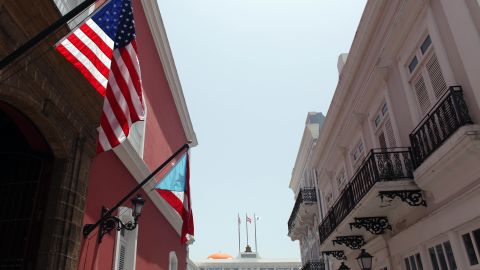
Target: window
x,y
341,179
358,153
425,45
383,128
471,242
126,243
172,261
413,64
442,257
413,262
329,199
427,80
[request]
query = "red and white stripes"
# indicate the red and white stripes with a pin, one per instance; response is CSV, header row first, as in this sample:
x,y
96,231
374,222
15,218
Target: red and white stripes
x,y
114,73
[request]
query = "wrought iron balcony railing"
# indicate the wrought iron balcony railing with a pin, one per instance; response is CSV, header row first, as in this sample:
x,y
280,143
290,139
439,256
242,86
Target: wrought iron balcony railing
x,y
305,196
314,265
386,164
448,114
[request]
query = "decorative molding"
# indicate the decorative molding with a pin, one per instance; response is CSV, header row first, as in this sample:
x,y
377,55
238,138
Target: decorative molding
x,y
375,225
412,197
139,170
351,241
338,254
157,29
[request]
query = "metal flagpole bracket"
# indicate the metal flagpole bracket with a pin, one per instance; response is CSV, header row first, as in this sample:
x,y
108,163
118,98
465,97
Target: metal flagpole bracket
x,y
44,33
88,228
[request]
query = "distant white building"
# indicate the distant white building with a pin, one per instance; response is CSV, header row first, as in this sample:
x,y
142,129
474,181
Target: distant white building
x,y
394,169
245,261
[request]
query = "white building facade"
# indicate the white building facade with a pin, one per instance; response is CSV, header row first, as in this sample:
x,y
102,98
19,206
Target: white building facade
x,y
304,219
396,165
245,261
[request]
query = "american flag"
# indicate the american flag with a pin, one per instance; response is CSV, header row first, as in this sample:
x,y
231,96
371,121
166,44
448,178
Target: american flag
x,y
104,50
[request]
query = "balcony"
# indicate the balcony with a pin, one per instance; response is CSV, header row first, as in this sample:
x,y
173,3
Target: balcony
x,y
446,148
381,165
314,265
447,116
303,212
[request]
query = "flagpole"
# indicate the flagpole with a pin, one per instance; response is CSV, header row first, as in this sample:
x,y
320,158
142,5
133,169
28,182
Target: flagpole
x,y
238,233
88,228
246,227
44,33
255,222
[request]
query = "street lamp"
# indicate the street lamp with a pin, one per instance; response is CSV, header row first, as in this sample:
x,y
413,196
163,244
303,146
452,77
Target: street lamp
x,y
343,266
365,260
138,203
108,222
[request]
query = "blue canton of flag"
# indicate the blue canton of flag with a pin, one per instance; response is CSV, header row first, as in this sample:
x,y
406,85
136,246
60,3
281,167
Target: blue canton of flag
x,y
116,20
176,178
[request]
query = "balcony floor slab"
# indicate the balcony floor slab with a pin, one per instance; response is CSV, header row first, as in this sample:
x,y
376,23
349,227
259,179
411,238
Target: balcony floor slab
x,y
453,166
370,206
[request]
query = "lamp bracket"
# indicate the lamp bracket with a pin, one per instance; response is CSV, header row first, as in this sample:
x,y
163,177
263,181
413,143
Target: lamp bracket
x,y
375,225
338,254
412,197
351,241
108,224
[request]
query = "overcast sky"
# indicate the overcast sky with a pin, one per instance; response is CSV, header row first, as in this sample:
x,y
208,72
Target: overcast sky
x,y
250,71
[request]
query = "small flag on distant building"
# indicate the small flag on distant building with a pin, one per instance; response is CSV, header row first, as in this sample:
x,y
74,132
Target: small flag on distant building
x,y
104,50
174,187
249,220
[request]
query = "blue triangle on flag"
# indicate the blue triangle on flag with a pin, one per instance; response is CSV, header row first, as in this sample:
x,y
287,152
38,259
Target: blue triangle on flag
x,y
176,178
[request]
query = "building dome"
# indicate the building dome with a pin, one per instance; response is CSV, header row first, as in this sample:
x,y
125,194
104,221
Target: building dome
x,y
220,256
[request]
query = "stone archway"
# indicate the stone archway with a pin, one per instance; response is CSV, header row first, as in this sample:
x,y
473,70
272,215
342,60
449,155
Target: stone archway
x,y
59,153
25,166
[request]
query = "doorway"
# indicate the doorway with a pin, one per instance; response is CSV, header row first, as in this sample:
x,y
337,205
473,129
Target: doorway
x,y
25,169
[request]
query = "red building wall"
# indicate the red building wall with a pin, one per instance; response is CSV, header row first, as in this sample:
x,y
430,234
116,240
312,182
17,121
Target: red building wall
x,y
110,180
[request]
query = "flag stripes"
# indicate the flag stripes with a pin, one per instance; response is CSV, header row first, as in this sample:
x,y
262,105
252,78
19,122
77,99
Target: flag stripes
x,y
104,50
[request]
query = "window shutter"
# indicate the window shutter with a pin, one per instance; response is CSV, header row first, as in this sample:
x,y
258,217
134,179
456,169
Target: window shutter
x,y
381,140
173,261
390,134
121,256
126,243
436,76
422,94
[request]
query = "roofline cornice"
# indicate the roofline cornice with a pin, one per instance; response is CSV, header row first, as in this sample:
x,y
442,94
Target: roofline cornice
x,y
362,37
155,22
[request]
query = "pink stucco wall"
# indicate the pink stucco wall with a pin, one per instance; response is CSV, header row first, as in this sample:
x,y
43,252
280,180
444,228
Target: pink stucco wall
x,y
164,132
110,181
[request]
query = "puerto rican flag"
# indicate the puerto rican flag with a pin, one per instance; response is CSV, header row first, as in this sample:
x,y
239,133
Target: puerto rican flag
x,y
174,187
104,50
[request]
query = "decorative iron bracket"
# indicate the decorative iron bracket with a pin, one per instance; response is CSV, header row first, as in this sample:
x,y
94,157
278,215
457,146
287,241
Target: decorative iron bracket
x,y
109,223
351,241
338,254
412,197
375,225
